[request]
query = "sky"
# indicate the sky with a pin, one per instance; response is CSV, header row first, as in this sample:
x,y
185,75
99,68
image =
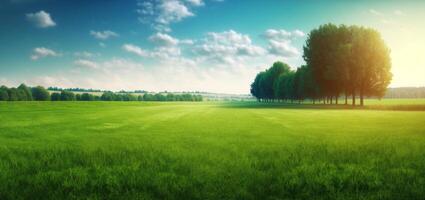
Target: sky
x,y
187,45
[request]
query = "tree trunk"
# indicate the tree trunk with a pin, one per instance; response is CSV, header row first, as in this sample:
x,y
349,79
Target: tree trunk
x,y
336,100
314,101
354,98
361,98
332,100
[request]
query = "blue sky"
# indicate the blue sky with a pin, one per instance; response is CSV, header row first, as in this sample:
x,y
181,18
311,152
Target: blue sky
x,y
186,45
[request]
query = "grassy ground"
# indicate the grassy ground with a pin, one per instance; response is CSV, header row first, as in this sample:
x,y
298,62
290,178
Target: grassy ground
x,y
140,150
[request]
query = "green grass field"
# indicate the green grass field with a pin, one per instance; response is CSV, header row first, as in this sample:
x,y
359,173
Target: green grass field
x,y
143,150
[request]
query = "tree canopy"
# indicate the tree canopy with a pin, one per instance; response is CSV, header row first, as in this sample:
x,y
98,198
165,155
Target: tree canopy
x,y
340,60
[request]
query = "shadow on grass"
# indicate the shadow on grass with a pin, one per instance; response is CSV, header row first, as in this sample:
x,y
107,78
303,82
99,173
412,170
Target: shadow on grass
x,y
262,105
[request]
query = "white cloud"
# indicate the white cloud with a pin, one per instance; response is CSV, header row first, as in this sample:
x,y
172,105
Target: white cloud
x,y
283,48
163,39
41,52
375,12
41,19
280,42
135,49
159,14
86,63
103,35
227,47
196,2
282,35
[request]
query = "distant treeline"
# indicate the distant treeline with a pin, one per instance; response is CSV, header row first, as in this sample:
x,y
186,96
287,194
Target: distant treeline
x,y
340,60
405,92
90,90
39,93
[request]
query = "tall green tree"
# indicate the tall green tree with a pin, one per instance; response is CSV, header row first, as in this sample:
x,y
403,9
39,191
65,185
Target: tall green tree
x,y
27,91
40,93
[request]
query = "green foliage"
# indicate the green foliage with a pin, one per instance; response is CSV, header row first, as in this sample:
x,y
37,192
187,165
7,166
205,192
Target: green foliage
x,y
67,96
4,95
341,59
55,96
173,150
27,92
13,94
87,97
40,93
350,60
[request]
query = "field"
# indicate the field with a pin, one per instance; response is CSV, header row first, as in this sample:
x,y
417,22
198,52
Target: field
x,y
211,150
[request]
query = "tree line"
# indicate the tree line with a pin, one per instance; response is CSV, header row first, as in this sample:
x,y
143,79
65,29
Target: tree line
x,y
39,93
340,60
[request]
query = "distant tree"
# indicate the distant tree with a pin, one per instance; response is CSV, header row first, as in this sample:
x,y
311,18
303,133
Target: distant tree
x,y
67,96
40,93
27,91
170,97
55,96
148,97
87,97
139,98
13,94
159,97
78,97
107,96
4,95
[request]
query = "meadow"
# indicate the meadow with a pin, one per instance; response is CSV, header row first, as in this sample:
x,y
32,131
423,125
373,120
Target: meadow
x,y
211,150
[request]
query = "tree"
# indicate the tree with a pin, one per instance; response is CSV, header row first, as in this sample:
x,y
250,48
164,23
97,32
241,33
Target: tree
x,y
55,96
87,97
40,93
4,95
350,60
107,96
27,92
67,96
264,83
13,94
372,58
148,97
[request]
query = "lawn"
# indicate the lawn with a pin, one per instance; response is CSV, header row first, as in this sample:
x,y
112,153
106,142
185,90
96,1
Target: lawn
x,y
147,150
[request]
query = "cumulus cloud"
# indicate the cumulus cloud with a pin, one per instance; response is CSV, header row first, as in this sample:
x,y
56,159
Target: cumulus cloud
x,y
41,52
103,35
41,19
161,13
282,35
284,49
131,48
227,47
163,39
280,42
